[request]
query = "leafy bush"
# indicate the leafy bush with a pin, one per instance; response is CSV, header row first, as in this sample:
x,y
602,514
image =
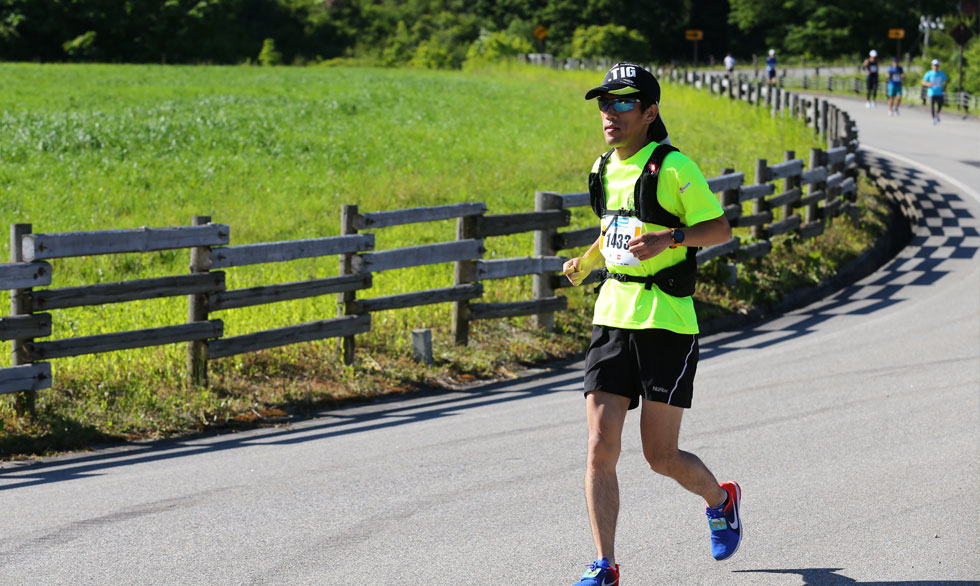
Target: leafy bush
x,y
268,55
497,46
611,40
431,55
82,46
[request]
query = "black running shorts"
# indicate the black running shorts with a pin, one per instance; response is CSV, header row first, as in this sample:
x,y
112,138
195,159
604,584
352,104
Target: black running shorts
x,y
658,365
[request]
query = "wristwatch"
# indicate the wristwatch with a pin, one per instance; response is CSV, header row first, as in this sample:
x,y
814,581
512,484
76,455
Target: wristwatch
x,y
677,236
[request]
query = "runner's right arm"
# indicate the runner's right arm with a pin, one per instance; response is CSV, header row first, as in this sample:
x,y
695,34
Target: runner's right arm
x,y
578,268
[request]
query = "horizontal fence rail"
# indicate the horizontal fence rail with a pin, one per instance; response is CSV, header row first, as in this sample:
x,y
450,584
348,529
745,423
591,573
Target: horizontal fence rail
x,y
44,246
791,196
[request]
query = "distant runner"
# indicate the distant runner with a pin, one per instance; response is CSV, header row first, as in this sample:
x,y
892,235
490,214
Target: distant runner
x,y
655,209
729,64
896,75
936,81
771,65
871,67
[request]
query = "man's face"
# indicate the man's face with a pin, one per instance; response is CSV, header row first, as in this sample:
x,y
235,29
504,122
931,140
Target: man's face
x,y
627,128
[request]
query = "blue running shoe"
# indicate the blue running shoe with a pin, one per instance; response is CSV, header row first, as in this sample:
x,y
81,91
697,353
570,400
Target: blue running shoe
x,y
726,523
600,573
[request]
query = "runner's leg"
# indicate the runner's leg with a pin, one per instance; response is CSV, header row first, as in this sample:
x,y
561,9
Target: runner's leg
x,y
660,425
606,416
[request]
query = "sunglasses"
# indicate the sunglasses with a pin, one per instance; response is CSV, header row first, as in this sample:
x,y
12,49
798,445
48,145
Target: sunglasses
x,y
618,104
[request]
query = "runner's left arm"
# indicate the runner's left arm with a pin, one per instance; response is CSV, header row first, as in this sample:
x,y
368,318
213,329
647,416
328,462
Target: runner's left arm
x,y
706,233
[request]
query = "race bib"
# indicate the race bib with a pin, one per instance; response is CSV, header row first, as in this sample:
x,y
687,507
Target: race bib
x,y
616,233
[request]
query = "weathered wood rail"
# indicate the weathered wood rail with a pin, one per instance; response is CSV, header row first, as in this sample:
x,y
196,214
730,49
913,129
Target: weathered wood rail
x,y
785,197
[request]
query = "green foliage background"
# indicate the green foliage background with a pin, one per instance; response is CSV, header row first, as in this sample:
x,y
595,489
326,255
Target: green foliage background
x,y
445,33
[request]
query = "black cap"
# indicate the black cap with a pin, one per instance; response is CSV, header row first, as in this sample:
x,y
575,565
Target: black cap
x,y
627,78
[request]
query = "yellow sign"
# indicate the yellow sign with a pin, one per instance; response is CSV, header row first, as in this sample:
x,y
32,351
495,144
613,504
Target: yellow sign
x,y
540,32
693,35
896,33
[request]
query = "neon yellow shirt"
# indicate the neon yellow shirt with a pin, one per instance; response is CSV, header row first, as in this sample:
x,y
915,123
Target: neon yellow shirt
x,y
682,191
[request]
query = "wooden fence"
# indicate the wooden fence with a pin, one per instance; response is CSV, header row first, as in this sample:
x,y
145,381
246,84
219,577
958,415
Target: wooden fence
x,y
808,198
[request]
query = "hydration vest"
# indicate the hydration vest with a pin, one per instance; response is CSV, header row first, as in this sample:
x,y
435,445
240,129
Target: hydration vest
x,y
677,280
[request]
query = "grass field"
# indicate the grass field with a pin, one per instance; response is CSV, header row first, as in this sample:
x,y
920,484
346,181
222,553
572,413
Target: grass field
x,y
274,153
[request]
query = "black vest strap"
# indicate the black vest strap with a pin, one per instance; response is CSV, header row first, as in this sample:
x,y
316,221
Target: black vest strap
x,y
645,203
677,280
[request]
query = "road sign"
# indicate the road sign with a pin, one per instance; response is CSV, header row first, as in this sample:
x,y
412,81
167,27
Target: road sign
x,y
961,34
693,35
896,33
541,32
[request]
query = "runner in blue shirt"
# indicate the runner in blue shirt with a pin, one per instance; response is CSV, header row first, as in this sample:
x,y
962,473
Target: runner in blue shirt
x,y
936,81
771,65
896,75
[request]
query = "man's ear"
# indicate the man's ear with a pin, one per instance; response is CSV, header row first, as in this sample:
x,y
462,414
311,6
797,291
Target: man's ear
x,y
651,113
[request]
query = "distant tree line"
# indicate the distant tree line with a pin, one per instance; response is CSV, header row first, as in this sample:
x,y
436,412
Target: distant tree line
x,y
445,33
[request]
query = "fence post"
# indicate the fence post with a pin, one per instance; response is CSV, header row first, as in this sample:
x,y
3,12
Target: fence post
x,y
544,246
812,210
463,272
20,304
760,205
823,117
791,182
198,306
816,115
345,301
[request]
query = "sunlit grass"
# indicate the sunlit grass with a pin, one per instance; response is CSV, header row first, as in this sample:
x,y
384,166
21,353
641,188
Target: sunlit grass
x,y
274,153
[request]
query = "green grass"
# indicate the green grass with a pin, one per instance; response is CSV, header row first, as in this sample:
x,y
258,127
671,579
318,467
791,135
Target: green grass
x,y
274,153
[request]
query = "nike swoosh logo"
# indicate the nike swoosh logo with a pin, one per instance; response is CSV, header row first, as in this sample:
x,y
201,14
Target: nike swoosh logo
x,y
683,189
734,524
604,583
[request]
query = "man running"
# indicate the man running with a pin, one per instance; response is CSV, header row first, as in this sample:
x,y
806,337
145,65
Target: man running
x,y
729,64
771,66
935,80
655,210
896,75
871,68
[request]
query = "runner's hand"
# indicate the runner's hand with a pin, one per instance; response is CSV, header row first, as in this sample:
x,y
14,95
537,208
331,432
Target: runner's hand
x,y
648,245
575,271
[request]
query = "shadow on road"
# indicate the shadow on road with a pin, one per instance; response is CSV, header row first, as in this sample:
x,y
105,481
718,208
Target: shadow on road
x,y
946,230
830,577
382,414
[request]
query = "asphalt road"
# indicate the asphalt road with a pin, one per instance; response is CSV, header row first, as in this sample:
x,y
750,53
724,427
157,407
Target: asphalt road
x,y
853,426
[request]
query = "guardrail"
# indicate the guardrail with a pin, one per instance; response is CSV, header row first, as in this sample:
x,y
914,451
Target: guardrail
x,y
848,82
808,200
